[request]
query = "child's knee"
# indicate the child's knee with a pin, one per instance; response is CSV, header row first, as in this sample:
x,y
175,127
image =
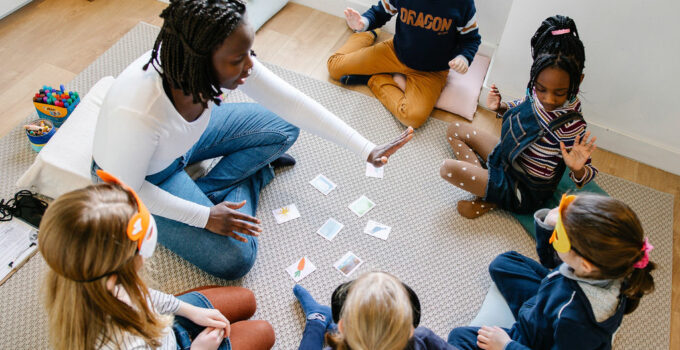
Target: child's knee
x,y
501,263
334,66
413,115
459,130
451,169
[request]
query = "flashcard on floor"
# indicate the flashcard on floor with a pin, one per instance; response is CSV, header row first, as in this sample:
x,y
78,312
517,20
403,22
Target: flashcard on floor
x,y
330,229
361,206
300,269
372,171
348,263
323,184
376,229
287,213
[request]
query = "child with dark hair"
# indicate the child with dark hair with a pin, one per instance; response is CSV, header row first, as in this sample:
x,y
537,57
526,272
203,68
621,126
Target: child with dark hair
x,y
154,122
601,270
542,135
431,37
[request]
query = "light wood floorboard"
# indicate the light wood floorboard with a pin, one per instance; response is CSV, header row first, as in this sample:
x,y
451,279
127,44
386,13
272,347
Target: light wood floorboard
x,y
49,41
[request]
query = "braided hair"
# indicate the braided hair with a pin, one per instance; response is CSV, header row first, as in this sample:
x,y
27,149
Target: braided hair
x,y
556,43
192,31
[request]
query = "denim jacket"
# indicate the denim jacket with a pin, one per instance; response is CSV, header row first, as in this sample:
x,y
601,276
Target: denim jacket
x,y
509,185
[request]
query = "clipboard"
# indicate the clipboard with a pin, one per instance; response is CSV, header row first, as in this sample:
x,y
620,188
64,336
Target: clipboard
x,y
18,243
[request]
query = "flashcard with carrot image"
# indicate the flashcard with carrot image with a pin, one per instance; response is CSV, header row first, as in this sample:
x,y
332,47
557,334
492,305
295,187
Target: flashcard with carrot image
x,y
287,213
300,269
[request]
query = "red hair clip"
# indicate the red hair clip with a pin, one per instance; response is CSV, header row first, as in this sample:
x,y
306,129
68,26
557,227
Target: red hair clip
x,y
561,31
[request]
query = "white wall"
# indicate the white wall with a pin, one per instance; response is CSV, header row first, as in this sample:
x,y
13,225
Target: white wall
x,y
629,95
9,6
491,14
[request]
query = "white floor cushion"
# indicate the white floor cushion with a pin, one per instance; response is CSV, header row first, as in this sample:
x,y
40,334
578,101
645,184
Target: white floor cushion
x,y
494,311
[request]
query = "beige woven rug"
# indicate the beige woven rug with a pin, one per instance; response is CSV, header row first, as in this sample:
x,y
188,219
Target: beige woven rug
x,y
443,256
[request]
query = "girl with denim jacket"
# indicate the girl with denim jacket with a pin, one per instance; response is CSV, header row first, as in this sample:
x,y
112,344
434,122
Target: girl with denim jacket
x,y
542,134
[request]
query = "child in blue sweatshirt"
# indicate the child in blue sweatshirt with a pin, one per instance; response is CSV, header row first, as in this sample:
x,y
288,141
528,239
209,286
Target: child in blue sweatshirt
x,y
376,312
431,37
601,270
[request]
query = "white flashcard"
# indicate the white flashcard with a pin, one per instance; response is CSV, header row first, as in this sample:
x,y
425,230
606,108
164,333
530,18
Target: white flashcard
x,y
361,206
348,263
376,229
287,213
323,184
372,171
330,229
300,269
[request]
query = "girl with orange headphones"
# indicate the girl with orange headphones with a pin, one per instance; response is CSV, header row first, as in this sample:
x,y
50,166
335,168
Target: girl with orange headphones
x,y
95,241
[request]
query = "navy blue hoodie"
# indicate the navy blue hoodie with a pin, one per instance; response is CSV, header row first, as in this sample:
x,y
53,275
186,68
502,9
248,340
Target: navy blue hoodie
x,y
429,33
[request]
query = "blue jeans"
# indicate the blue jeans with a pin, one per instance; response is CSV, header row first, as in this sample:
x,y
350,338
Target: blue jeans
x,y
248,137
186,330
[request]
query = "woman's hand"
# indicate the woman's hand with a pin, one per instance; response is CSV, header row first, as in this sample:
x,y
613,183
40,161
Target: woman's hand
x,y
209,339
493,99
492,338
580,153
354,19
225,220
379,155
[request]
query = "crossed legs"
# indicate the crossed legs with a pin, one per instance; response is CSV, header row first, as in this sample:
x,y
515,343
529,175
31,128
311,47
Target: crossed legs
x,y
465,171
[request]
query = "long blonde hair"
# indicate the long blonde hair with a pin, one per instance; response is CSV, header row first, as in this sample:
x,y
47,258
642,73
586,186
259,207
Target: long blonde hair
x,y
377,315
83,240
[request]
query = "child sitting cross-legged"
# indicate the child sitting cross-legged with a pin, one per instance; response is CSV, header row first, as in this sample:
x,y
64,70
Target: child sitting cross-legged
x,y
374,312
594,269
95,241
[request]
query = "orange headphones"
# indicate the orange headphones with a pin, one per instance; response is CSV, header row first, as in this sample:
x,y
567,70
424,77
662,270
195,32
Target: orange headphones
x,y
141,227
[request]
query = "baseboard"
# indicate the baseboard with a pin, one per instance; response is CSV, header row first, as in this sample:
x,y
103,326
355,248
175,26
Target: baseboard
x,y
632,146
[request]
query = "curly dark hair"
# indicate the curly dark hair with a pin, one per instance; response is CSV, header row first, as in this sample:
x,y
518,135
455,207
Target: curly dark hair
x,y
556,43
192,31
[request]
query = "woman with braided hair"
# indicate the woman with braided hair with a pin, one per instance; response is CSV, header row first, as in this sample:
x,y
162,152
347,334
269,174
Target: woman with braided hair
x,y
164,112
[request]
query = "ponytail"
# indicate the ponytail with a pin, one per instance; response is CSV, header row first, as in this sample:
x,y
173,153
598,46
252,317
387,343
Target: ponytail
x,y
638,283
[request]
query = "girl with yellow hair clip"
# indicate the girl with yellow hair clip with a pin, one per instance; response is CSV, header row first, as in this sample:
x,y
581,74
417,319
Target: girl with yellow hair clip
x,y
601,269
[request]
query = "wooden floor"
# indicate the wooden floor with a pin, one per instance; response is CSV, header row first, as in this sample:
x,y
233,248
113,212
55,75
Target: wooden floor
x,y
50,41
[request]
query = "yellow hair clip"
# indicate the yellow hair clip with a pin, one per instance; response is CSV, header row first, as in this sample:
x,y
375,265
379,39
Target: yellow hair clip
x,y
559,238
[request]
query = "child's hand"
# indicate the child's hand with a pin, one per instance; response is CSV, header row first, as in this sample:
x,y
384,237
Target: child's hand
x,y
209,339
354,19
492,338
551,218
580,153
493,99
459,64
210,318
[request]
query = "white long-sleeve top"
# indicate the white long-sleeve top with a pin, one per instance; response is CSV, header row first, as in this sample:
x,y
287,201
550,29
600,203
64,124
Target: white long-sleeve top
x,y
139,132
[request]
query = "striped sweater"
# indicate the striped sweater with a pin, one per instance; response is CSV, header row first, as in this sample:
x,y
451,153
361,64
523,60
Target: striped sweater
x,y
164,304
540,159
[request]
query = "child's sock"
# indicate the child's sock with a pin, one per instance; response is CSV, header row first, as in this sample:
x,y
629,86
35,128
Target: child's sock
x,y
355,79
474,209
310,307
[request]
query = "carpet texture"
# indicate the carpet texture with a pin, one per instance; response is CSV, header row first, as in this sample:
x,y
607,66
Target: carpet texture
x,y
441,255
